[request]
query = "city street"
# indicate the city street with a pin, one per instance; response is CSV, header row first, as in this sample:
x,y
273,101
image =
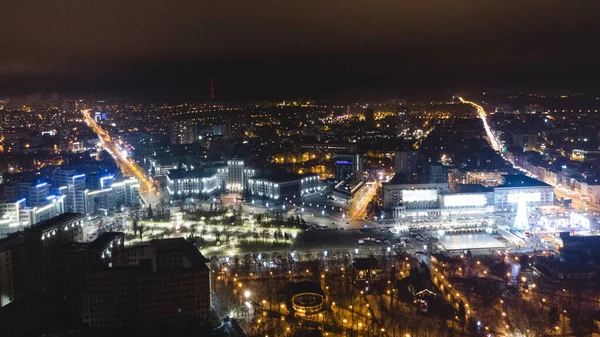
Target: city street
x,y
148,190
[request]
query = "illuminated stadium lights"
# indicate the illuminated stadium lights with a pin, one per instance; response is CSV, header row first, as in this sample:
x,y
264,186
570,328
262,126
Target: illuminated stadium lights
x,y
524,197
464,200
419,195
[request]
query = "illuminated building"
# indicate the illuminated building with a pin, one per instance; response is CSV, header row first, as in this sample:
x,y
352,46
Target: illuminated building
x,y
113,194
235,176
16,215
464,204
283,185
366,269
307,298
402,199
231,178
37,195
75,191
347,165
518,194
485,178
99,200
107,181
181,182
520,189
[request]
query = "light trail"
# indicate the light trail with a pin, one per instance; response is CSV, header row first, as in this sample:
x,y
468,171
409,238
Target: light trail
x,y
496,145
128,167
358,207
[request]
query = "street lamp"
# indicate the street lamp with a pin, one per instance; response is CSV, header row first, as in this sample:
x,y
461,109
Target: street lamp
x,y
247,294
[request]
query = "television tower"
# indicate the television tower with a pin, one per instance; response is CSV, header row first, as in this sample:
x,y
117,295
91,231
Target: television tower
x,y
212,89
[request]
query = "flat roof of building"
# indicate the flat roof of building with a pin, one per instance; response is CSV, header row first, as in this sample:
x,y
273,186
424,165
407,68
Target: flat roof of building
x,y
179,244
520,180
399,178
280,177
182,174
104,240
472,188
56,221
100,243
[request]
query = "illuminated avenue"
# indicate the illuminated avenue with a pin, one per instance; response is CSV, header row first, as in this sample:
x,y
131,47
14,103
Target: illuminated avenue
x,y
129,167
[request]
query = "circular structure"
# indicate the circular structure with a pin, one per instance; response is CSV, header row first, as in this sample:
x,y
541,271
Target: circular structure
x,y
307,298
307,303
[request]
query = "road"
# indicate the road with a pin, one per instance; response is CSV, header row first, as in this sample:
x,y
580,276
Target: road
x,y
360,201
560,192
148,190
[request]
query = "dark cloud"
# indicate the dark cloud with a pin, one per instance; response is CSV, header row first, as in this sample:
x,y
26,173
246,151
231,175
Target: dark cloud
x,y
266,48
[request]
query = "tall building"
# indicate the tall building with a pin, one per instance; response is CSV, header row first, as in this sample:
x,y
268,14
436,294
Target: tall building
x,y
358,167
525,141
127,192
74,261
161,282
235,176
15,216
42,240
75,189
438,173
347,165
99,200
76,194
38,194
11,269
406,162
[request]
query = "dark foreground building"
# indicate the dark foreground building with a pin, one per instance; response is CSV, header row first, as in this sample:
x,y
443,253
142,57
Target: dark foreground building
x,y
159,283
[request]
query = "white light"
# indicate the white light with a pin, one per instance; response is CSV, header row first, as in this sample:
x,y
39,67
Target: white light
x,y
419,195
464,200
524,197
325,253
247,294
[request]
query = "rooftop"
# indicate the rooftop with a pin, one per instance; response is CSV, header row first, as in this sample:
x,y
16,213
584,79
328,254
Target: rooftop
x,y
104,239
181,174
56,221
179,244
399,178
280,177
519,180
472,188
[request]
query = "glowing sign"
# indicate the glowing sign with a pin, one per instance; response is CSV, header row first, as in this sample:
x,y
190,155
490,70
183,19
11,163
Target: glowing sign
x,y
524,197
419,195
343,162
459,200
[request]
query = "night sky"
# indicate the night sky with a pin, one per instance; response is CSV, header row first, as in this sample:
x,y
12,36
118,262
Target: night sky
x,y
276,49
